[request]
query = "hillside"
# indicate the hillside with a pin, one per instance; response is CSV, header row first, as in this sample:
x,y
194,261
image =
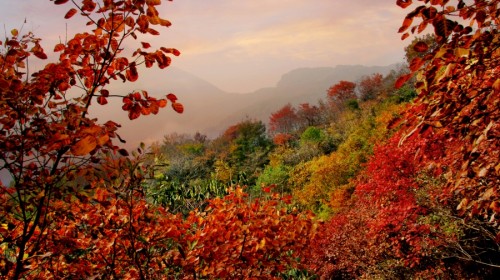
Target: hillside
x,y
209,110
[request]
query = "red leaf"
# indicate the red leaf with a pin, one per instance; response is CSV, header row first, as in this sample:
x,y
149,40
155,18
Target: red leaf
x,y
145,45
102,100
59,2
70,13
136,96
171,97
403,3
416,63
132,114
178,107
402,80
132,74
40,55
420,47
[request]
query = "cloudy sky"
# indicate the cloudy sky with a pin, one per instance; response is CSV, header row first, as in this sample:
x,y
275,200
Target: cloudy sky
x,y
243,45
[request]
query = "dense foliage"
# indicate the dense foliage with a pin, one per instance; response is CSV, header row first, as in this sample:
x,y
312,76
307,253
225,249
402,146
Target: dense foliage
x,y
372,182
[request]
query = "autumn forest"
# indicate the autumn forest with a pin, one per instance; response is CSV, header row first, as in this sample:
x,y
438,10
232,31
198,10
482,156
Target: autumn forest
x,y
387,177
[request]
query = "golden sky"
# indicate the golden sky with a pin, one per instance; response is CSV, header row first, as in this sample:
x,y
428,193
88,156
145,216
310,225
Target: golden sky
x,y
243,45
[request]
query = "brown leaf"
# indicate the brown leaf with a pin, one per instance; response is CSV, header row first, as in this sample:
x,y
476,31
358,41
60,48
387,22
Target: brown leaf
x,y
123,152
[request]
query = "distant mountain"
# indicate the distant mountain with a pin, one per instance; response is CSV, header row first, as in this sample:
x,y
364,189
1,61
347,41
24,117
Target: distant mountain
x,y
296,87
210,110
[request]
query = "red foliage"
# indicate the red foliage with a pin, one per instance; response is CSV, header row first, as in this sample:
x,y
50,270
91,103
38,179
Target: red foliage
x,y
282,138
117,235
284,120
384,223
458,98
342,91
47,138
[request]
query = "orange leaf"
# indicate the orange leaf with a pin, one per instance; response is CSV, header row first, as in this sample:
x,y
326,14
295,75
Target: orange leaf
x,y
162,103
59,47
84,146
406,23
103,139
178,107
164,22
171,50
70,13
153,2
153,31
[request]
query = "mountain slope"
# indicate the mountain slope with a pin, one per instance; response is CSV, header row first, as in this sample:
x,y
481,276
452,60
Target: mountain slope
x,y
210,110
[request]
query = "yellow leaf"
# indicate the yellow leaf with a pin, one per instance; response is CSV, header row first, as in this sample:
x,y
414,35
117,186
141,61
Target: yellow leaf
x,y
84,146
496,85
462,52
40,195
